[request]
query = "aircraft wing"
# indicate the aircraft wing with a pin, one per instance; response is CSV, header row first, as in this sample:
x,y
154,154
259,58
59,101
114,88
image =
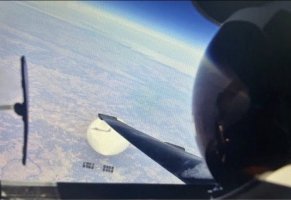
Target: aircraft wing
x,y
24,83
176,160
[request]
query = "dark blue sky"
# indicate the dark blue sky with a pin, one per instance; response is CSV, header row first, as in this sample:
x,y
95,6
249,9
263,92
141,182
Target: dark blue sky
x,y
175,18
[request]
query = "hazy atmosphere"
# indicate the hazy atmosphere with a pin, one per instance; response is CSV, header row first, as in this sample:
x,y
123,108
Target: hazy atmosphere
x,y
83,60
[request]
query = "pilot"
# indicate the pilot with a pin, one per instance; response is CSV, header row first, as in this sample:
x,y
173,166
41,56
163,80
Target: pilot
x,y
242,95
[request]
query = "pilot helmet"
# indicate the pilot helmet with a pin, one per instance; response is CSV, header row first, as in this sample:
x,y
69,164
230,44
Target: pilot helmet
x,y
242,95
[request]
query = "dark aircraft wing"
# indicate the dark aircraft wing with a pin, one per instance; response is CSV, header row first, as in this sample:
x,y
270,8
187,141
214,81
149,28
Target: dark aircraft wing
x,y
22,108
24,83
182,164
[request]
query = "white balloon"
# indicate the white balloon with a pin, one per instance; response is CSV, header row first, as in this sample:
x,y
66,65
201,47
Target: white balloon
x,y
104,139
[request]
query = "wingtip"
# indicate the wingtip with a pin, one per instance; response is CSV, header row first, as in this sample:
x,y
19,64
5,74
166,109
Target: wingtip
x,y
103,116
23,161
